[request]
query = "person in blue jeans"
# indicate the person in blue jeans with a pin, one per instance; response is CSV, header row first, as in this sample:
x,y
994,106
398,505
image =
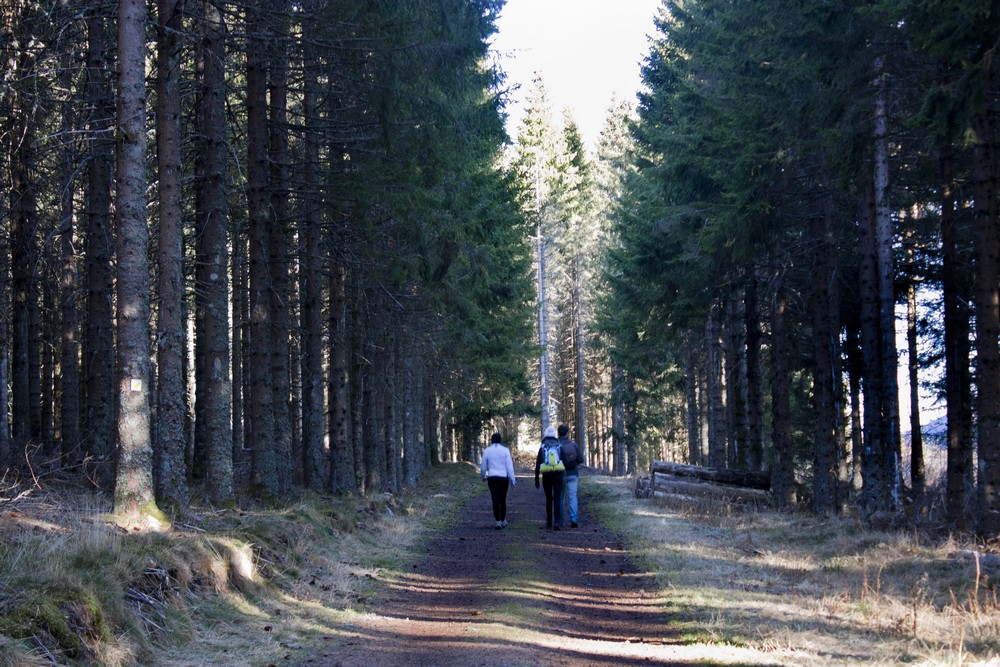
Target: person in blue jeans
x,y
550,465
572,457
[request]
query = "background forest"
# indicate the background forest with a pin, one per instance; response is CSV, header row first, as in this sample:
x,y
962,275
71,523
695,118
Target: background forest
x,y
279,246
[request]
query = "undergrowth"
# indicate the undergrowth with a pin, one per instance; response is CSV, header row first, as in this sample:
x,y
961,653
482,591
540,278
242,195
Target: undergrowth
x,y
830,591
76,589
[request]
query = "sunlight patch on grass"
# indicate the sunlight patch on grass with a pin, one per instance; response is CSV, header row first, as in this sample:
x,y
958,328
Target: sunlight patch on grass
x,y
826,591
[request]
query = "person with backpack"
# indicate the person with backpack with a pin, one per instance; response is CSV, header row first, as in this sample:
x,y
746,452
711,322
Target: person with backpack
x,y
549,464
572,456
497,470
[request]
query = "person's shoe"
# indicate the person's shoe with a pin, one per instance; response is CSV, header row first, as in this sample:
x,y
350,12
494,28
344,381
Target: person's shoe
x,y
556,527
574,524
503,524
499,525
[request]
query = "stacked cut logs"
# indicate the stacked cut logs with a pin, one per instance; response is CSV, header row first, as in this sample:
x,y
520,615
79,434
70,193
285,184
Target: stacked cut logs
x,y
676,481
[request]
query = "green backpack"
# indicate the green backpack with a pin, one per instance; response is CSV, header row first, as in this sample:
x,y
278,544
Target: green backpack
x,y
552,458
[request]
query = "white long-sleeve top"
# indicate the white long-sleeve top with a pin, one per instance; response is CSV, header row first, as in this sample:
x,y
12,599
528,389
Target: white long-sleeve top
x,y
497,462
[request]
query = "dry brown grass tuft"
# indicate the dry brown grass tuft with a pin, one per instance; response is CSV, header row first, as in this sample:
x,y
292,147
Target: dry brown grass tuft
x,y
820,591
237,586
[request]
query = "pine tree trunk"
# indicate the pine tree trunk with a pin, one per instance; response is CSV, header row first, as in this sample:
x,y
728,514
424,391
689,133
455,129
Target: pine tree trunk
x,y
856,371
98,353
23,263
579,393
755,376
47,370
215,384
913,365
342,475
783,472
987,300
388,402
240,327
826,334
630,430
68,382
372,421
134,492
261,434
311,291
433,437
956,354
618,397
278,190
736,382
170,471
716,408
416,456
359,380
885,275
543,333
693,414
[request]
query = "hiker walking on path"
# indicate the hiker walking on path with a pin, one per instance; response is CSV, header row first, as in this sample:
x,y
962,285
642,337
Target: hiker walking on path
x,y
572,457
497,470
550,465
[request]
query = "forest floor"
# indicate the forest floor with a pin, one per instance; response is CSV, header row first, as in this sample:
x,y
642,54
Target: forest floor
x,y
424,579
522,595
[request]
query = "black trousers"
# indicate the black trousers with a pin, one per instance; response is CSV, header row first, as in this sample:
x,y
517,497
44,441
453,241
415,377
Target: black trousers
x,y
552,484
498,491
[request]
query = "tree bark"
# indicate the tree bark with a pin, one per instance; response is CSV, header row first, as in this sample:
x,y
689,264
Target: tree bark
x,y
134,493
98,353
170,471
736,381
693,414
618,397
885,275
913,365
856,371
580,389
342,472
311,290
543,330
265,454
24,255
288,466
826,336
214,382
716,407
755,376
987,300
783,469
957,376
68,382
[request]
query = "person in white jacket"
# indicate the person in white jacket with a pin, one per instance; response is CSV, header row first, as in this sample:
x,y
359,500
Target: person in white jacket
x,y
497,470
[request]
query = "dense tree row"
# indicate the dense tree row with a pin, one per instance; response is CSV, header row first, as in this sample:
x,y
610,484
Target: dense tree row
x,y
315,274
799,170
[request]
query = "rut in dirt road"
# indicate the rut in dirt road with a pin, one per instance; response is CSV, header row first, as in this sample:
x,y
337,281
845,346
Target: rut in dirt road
x,y
522,595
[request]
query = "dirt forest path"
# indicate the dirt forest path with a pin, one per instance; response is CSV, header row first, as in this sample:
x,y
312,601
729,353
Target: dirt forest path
x,y
523,595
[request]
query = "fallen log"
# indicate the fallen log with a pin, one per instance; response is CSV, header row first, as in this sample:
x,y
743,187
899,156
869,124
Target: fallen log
x,y
702,489
750,480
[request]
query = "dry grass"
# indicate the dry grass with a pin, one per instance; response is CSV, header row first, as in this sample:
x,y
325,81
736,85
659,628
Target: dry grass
x,y
257,585
225,587
815,591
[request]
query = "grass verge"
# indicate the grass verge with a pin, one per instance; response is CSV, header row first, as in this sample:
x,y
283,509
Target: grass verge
x,y
237,586
816,591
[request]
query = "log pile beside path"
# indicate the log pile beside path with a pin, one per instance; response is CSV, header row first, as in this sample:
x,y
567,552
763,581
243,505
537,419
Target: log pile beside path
x,y
698,484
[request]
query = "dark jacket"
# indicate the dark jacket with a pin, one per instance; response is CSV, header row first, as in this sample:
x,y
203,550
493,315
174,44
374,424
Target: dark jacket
x,y
541,458
572,469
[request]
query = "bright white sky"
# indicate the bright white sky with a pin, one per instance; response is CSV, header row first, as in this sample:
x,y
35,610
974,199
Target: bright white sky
x,y
588,53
